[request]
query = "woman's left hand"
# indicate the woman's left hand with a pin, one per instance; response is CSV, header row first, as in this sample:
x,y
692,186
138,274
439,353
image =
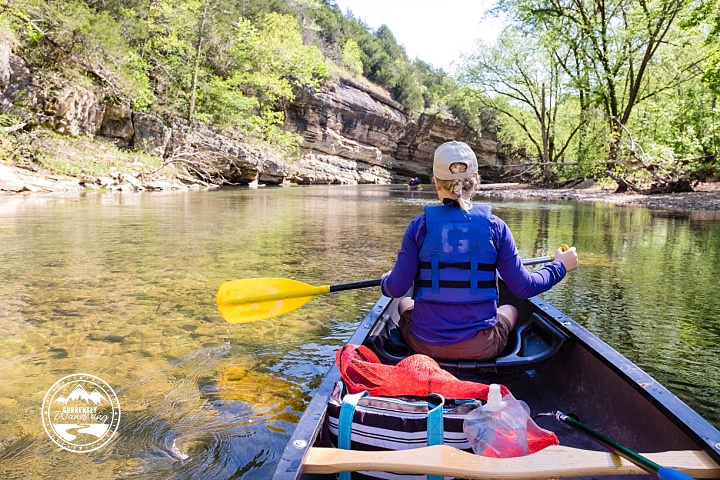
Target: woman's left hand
x,y
568,258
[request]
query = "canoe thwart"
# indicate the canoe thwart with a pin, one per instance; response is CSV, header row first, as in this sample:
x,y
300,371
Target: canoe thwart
x,y
551,462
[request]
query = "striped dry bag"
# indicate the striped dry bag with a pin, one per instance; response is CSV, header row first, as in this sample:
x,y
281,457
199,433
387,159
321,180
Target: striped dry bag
x,y
409,405
363,422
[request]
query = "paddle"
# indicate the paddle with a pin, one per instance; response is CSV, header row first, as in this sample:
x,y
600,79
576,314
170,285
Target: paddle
x,y
242,301
663,473
551,462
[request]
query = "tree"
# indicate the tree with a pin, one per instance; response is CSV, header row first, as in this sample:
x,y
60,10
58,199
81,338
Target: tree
x,y
198,53
264,64
614,44
352,57
524,82
72,32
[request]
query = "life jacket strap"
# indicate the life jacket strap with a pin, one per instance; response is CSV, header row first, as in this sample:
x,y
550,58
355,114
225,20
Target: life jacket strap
x,y
485,267
455,284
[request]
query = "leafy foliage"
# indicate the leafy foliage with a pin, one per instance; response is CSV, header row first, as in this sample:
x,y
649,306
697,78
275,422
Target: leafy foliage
x,y
570,86
589,83
234,64
268,61
352,57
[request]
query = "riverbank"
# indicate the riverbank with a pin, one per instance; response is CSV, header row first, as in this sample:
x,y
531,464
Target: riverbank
x,y
706,197
21,181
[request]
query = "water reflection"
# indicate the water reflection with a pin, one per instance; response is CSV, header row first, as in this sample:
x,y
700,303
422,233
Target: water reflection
x,y
123,287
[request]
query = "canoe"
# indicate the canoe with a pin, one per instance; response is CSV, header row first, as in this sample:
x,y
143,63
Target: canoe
x,y
552,363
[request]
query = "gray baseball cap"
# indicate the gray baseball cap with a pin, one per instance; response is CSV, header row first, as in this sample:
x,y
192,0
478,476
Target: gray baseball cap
x,y
454,152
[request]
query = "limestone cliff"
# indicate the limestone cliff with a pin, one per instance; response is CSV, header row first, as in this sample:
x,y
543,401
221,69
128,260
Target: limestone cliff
x,y
352,132
356,133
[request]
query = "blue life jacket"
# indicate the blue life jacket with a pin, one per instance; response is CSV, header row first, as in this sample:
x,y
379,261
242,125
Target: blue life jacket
x,y
458,258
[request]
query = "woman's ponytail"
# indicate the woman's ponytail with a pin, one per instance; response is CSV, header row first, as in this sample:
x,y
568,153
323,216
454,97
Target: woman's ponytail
x,y
462,188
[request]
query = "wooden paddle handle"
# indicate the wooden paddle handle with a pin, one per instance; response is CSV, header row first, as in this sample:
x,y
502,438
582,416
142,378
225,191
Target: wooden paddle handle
x,y
551,462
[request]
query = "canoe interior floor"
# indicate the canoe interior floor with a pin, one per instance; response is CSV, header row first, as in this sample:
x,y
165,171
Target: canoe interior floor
x,y
533,391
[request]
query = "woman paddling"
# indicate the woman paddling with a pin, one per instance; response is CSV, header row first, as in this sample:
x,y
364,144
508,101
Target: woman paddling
x,y
450,255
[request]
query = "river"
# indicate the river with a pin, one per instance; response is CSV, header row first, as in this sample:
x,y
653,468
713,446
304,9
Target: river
x,y
122,287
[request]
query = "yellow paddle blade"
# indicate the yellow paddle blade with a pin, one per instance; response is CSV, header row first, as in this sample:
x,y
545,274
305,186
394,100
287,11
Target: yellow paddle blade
x,y
242,301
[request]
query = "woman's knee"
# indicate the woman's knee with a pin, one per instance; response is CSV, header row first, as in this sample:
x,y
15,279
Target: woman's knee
x,y
510,314
404,304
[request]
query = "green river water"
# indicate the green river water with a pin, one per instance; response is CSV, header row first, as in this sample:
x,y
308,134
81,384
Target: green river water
x,y
122,286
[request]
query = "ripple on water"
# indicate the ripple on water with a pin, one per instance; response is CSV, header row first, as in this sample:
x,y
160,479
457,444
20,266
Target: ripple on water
x,y
208,444
220,418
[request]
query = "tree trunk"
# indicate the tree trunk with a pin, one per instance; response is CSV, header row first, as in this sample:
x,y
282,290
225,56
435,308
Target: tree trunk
x,y
196,68
545,127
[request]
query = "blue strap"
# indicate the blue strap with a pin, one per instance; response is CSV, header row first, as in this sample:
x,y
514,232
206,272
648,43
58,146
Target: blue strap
x,y
436,429
345,421
435,275
435,426
474,273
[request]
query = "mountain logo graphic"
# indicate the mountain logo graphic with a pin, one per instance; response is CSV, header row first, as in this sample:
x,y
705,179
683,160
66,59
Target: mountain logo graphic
x,y
79,421
80,394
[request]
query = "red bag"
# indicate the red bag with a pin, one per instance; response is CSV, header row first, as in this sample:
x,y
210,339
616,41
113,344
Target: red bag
x,y
418,375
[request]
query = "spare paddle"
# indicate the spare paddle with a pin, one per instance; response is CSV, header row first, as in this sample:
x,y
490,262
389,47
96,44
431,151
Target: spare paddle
x,y
663,473
242,301
552,462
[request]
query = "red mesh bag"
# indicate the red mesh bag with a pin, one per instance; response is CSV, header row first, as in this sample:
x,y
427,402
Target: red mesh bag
x,y
418,375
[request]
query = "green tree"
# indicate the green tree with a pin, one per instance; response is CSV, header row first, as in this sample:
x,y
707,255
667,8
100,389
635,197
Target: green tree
x,y
436,84
615,43
352,57
524,82
60,34
198,57
266,62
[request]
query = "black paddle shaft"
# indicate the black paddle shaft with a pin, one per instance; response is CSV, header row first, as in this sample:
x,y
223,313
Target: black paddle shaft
x,y
354,285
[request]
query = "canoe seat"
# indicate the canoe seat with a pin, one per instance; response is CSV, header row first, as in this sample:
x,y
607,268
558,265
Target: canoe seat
x,y
531,342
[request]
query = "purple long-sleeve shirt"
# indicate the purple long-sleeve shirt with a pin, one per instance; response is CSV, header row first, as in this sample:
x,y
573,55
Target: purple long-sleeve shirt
x,y
446,323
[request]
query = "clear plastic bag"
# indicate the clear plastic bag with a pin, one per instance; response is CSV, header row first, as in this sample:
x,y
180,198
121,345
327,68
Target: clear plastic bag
x,y
499,428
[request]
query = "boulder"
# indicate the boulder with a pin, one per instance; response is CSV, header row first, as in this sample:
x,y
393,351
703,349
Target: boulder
x,y
150,134
117,123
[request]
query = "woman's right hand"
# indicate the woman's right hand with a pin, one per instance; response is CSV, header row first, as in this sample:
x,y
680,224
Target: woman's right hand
x,y
567,257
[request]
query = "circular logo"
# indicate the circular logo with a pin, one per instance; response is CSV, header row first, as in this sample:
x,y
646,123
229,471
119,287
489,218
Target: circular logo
x,y
80,413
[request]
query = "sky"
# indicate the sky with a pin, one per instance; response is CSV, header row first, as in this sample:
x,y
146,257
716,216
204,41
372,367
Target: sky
x,y
435,31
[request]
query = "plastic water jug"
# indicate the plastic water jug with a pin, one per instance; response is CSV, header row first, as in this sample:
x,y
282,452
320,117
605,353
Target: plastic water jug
x,y
498,428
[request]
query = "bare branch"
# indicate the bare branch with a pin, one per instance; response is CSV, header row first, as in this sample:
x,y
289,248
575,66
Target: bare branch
x,y
539,164
14,128
203,165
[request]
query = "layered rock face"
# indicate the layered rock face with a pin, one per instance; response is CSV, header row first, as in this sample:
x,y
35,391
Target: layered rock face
x,y
357,134
351,132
